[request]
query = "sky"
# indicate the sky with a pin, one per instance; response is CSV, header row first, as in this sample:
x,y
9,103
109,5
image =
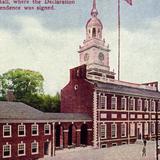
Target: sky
x,y
48,41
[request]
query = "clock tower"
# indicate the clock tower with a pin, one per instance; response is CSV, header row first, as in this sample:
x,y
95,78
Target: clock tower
x,y
94,52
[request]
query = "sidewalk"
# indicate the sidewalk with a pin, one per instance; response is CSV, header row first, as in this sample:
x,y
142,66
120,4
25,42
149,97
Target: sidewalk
x,y
123,152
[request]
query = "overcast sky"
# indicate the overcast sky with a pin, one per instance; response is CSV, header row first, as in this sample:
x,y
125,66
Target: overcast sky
x,y
48,41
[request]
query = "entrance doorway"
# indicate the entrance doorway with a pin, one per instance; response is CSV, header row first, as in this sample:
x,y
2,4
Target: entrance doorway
x,y
70,135
47,150
139,131
57,135
84,137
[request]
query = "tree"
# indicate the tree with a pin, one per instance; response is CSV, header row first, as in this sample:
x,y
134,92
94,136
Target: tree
x,y
23,83
46,103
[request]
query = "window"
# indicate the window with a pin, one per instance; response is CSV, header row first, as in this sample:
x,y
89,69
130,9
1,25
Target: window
x,y
131,104
158,106
132,129
146,105
158,127
47,129
103,131
21,130
34,147
114,102
146,128
153,128
103,102
7,131
6,151
152,105
94,32
139,105
21,149
123,130
114,130
34,129
123,103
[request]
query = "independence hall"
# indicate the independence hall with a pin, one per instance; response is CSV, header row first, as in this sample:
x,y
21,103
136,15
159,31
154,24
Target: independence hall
x,y
96,109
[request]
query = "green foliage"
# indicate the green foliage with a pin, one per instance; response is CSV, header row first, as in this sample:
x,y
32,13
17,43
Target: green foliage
x,y
22,82
46,103
27,86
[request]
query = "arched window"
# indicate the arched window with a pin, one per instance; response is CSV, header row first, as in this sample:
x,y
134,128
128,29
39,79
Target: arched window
x,y
94,32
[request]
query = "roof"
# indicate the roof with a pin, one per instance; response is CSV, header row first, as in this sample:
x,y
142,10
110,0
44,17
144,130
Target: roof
x,y
21,111
18,110
68,116
127,90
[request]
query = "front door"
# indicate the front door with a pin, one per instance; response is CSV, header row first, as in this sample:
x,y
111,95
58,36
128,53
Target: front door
x,y
139,131
46,149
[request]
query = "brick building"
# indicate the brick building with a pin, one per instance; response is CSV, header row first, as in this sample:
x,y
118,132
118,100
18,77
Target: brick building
x,y
122,112
96,109
28,134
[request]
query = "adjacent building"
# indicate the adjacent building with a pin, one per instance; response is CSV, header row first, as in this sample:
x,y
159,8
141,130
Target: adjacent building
x,y
29,134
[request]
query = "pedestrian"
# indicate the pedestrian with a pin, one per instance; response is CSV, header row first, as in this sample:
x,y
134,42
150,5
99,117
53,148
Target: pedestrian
x,y
144,141
144,151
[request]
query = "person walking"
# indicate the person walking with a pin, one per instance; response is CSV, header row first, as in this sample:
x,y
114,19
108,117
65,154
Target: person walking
x,y
144,151
144,141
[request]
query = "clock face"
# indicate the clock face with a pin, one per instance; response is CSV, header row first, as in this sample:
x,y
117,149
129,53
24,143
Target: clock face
x,y
86,57
101,56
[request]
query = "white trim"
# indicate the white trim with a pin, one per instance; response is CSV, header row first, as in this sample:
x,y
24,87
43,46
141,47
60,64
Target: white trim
x,y
146,104
24,130
139,104
115,140
95,125
105,131
146,127
125,103
153,104
37,147
153,125
132,101
135,121
132,129
10,131
45,129
114,124
158,109
24,149
37,129
103,101
125,129
89,129
113,99
9,150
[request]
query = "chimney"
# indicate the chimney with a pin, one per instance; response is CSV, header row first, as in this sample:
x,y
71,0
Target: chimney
x,y
10,96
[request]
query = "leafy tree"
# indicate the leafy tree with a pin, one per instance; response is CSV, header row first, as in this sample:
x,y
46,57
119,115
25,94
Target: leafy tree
x,y
27,86
46,103
22,82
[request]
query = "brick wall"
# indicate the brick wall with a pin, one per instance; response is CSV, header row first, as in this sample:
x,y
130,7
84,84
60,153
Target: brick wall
x,y
77,95
28,139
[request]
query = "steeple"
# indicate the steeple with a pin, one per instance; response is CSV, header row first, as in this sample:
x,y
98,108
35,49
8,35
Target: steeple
x,y
94,52
94,11
94,26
